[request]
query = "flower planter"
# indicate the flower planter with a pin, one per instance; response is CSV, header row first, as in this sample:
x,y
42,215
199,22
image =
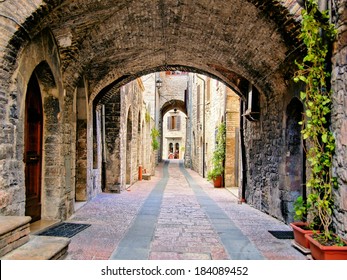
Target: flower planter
x,y
217,182
321,252
300,232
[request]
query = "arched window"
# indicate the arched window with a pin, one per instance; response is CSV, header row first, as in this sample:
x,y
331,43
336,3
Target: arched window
x,y
177,150
171,151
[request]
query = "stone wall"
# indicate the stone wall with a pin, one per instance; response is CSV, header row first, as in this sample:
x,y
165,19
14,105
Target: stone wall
x,y
127,136
81,143
173,87
339,118
232,152
215,108
39,57
131,118
263,141
212,103
112,125
195,120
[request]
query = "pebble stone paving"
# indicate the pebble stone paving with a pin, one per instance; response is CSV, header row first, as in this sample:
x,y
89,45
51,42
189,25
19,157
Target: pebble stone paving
x,y
177,215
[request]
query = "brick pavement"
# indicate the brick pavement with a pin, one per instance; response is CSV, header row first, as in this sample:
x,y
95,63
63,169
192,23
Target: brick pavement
x,y
178,217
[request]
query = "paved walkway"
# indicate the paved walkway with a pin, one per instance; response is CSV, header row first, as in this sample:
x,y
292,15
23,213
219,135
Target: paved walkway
x,y
176,215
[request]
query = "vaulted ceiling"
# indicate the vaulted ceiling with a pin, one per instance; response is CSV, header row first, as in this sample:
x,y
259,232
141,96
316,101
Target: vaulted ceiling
x,y
108,41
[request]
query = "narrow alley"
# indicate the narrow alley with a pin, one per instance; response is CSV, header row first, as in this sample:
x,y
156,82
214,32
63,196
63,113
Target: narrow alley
x,y
177,215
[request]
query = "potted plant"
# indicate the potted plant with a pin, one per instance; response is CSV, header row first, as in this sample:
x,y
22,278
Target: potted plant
x,y
302,225
216,173
321,142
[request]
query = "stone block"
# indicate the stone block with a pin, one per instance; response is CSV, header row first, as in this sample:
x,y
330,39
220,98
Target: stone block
x,y
40,248
14,232
146,176
115,188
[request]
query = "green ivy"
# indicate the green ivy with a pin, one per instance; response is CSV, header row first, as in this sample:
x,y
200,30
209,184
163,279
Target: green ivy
x,y
154,135
218,154
317,101
147,117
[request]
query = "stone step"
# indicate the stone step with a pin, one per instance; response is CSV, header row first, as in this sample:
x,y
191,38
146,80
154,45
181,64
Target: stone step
x,y
40,248
14,232
146,176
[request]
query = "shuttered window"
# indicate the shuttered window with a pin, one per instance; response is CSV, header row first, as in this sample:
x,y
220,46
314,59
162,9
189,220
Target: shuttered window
x,y
174,123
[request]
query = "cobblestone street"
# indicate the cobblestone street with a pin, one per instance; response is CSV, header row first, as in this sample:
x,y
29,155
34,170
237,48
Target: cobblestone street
x,y
176,215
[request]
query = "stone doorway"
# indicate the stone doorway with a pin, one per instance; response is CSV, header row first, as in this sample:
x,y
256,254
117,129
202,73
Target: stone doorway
x,y
295,159
33,149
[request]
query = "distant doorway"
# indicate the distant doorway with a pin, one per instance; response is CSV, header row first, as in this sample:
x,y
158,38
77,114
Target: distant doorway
x,y
177,151
295,168
33,149
171,153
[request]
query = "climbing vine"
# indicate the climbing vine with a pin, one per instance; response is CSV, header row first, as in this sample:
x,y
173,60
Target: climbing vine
x,y
317,34
154,135
218,154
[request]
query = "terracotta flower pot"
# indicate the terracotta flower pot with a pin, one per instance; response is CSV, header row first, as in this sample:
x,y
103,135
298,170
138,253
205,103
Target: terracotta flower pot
x,y
217,182
321,252
300,232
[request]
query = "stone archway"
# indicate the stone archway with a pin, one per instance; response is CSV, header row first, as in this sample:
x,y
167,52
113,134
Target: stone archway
x,y
35,62
234,40
33,134
50,170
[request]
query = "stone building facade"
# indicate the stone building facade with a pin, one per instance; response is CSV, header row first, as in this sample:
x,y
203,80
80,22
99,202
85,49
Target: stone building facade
x,y
60,61
173,113
212,103
127,145
174,135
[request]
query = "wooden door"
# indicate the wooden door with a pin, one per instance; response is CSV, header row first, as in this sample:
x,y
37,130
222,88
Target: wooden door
x,y
33,149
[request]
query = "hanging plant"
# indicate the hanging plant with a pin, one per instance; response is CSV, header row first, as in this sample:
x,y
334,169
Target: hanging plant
x,y
317,33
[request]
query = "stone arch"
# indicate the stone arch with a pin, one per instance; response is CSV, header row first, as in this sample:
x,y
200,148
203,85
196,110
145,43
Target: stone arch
x,y
83,53
101,92
177,150
25,25
33,136
52,167
170,150
174,104
36,61
282,28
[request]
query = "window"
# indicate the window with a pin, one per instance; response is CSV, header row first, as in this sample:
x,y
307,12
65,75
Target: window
x,y
253,104
174,122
